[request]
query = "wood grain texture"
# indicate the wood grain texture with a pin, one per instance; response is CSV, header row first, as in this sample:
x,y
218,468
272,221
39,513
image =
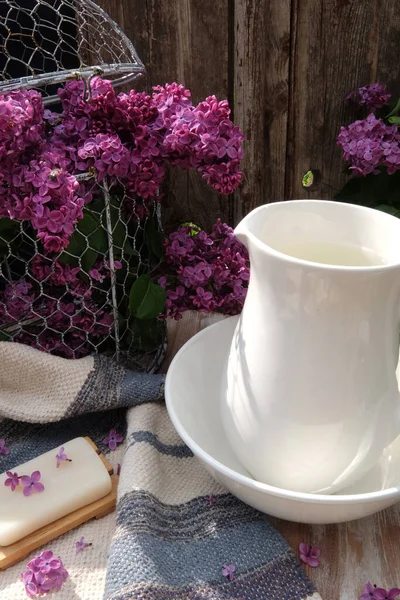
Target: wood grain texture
x,y
336,47
286,67
187,42
352,553
260,71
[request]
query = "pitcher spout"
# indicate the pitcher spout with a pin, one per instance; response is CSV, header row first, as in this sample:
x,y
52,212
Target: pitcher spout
x,y
248,230
242,235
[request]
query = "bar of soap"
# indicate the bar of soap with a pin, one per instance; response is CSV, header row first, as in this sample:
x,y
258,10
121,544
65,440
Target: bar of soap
x,y
70,486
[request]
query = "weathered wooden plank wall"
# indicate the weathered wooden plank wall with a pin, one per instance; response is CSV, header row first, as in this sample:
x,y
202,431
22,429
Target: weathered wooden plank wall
x,y
336,46
285,66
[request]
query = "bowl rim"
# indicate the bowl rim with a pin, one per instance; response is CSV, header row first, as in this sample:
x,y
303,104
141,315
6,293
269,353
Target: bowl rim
x,y
334,499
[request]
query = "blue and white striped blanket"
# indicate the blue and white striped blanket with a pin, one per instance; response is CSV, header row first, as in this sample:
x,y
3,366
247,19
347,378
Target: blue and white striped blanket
x,y
175,526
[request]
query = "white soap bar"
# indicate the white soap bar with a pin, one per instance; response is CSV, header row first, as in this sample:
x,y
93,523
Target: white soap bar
x,y
67,488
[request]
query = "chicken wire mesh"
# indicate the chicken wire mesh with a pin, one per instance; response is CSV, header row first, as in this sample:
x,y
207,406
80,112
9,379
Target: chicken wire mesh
x,y
77,301
46,42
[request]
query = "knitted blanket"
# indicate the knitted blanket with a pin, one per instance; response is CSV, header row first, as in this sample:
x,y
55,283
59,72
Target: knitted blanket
x,y
174,528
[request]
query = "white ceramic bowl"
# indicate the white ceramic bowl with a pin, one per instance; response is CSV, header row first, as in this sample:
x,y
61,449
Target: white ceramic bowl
x,y
192,396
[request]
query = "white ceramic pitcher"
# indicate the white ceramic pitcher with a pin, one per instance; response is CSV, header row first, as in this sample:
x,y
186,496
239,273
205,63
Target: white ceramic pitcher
x,y
310,396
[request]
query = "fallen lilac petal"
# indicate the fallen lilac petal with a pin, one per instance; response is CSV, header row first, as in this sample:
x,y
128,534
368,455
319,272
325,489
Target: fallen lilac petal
x,y
113,439
81,545
309,554
12,480
382,594
3,447
32,483
228,571
61,456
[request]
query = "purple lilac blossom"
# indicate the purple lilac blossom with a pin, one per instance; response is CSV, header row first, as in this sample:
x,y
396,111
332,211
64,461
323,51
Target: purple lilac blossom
x,y
205,272
370,144
113,439
61,456
372,592
309,554
3,447
126,137
12,480
373,96
382,594
81,545
74,322
32,484
369,590
43,574
228,571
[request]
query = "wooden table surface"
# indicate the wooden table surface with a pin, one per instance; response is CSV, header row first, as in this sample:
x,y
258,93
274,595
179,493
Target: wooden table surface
x,y
353,553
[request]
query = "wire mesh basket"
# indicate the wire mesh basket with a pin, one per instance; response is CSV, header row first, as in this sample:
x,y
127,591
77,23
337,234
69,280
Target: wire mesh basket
x,y
74,300
46,42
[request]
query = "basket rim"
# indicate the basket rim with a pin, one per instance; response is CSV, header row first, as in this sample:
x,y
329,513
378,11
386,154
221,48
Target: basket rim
x,y
129,70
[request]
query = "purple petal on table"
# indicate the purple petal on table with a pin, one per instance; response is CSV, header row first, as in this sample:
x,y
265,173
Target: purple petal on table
x,y
304,548
313,562
35,476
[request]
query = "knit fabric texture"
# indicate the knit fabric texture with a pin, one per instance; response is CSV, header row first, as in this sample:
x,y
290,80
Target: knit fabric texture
x,y
174,528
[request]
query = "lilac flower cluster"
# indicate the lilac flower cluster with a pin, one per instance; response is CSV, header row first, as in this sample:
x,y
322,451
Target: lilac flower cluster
x,y
33,184
43,574
201,136
75,309
373,96
126,137
204,272
130,136
370,144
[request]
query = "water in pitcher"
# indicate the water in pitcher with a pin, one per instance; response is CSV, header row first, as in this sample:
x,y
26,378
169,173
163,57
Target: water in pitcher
x,y
330,253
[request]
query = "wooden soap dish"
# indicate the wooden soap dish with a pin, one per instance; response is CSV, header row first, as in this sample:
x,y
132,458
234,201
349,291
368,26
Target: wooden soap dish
x,y
11,555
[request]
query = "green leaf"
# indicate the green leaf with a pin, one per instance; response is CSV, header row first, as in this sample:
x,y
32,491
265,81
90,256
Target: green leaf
x,y
88,240
308,179
129,251
88,234
154,239
138,292
394,120
88,260
8,225
92,229
146,299
8,230
371,190
395,110
194,229
391,210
